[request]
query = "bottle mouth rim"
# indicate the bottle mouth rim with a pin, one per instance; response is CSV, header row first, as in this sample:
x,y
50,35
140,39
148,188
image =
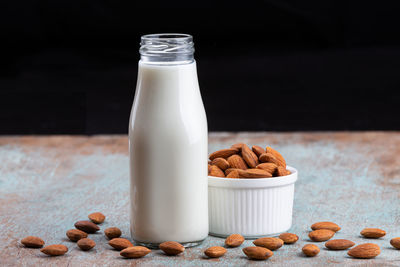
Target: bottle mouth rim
x,y
179,37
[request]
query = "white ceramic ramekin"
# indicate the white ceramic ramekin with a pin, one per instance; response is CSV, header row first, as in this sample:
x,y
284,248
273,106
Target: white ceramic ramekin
x,y
251,207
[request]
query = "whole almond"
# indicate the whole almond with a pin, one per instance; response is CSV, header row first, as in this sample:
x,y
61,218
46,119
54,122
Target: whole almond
x,y
216,172
249,157
233,174
395,242
365,251
229,170
222,163
277,155
258,150
87,226
268,157
32,242
135,252
86,244
120,243
215,252
280,171
75,234
289,238
326,225
271,243
234,240
237,162
257,253
373,232
55,250
254,173
172,248
269,167
223,153
339,244
97,217
112,232
321,235
237,146
310,250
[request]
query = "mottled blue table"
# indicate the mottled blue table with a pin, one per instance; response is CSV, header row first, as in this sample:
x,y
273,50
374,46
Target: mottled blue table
x,y
48,183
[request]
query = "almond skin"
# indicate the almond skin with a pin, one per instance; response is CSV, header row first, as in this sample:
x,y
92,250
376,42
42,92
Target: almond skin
x,y
280,171
326,225
257,253
258,150
215,252
234,240
134,252
233,174
365,251
75,234
339,244
86,244
321,235
216,172
54,250
223,153
120,243
254,173
32,242
97,217
269,167
172,248
310,250
249,157
271,243
395,242
289,238
237,162
87,226
372,232
277,155
221,163
268,157
112,232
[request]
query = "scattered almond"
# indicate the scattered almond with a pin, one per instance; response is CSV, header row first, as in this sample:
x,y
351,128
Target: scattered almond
x,y
321,235
257,253
271,243
75,234
339,244
326,225
134,252
32,242
269,167
365,251
120,243
254,173
237,162
223,153
216,172
112,232
277,155
97,217
86,244
221,163
258,150
215,252
233,174
249,157
87,226
310,250
395,242
234,240
289,238
373,232
172,248
55,250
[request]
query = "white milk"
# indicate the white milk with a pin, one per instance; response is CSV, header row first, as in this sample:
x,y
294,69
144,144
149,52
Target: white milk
x,y
168,156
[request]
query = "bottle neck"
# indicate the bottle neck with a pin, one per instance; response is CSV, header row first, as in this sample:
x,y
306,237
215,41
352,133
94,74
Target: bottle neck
x,y
167,49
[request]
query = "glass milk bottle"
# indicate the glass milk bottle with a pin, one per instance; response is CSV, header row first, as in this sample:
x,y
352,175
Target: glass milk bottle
x,y
168,145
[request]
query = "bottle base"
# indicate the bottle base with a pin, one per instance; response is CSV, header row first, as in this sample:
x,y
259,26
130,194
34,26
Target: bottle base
x,y
156,245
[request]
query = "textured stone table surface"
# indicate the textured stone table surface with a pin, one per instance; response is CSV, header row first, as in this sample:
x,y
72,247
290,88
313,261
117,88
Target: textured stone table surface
x,y
47,183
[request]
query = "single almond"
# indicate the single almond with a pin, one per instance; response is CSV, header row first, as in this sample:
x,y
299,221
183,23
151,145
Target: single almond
x,y
237,146
112,232
86,244
87,226
269,167
75,234
120,243
55,250
234,240
249,157
223,153
339,244
233,174
229,170
32,242
134,252
215,252
372,232
268,157
395,242
365,251
280,171
289,238
237,162
172,248
222,163
258,150
271,243
254,173
97,217
310,250
257,253
277,155
321,235
326,225
216,172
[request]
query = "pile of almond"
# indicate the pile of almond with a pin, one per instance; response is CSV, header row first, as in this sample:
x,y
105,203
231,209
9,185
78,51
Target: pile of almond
x,y
239,161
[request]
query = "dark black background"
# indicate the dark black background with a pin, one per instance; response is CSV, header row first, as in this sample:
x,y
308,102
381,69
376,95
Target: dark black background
x,y
70,67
